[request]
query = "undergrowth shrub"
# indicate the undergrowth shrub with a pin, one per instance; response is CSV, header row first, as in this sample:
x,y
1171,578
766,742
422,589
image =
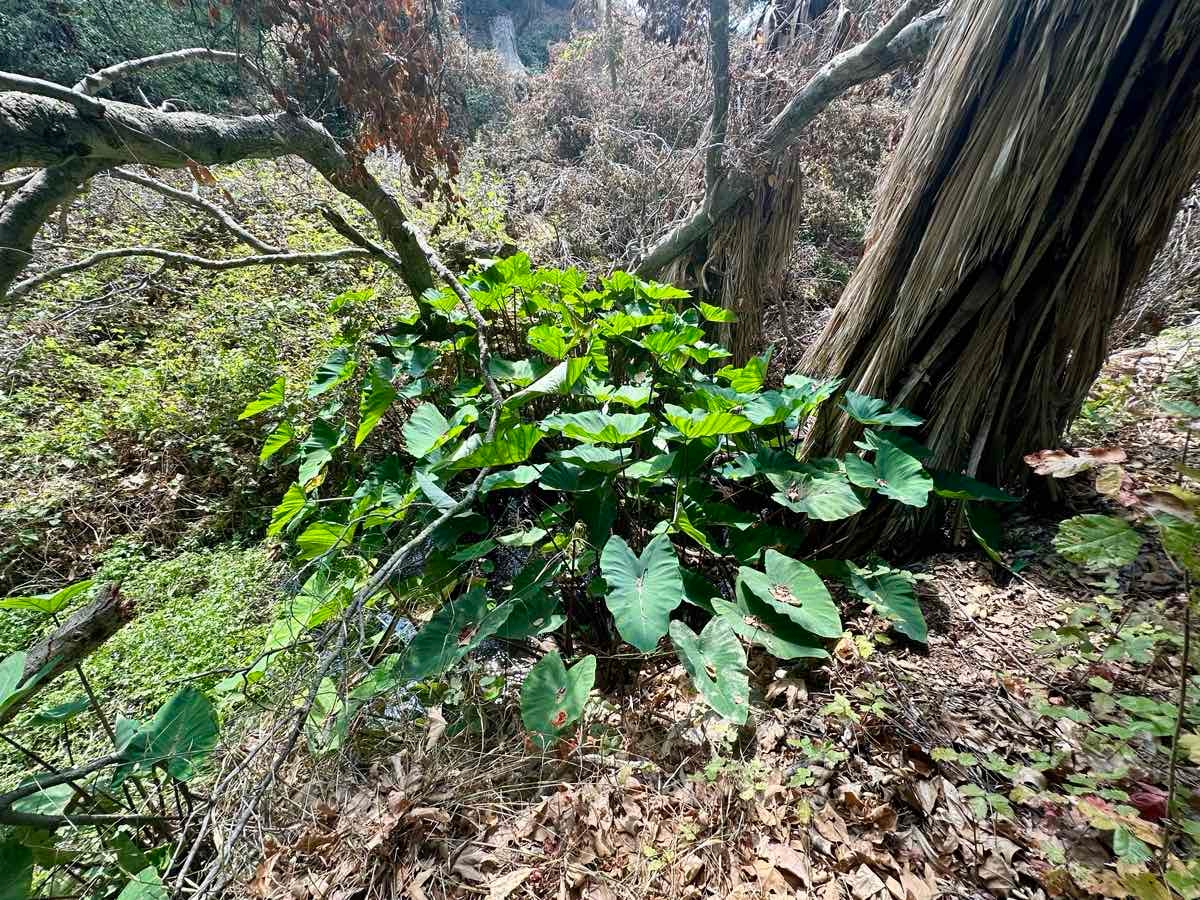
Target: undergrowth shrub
x,y
629,487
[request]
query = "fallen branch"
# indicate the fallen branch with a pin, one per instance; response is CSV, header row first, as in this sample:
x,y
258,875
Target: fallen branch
x,y
199,203
71,643
100,79
10,81
186,259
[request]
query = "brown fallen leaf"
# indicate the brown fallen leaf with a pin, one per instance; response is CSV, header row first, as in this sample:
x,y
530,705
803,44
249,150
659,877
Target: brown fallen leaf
x,y
1063,464
864,883
789,861
503,886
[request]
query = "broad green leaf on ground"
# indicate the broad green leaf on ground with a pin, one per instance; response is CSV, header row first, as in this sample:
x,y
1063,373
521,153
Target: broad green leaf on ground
x,y
716,314
642,590
818,493
322,537
553,696
872,411
16,870
892,596
513,444
754,626
508,479
790,587
900,476
50,603
1098,542
667,341
336,369
268,399
181,734
716,663
424,430
454,631
145,885
549,339
953,486
596,427
697,423
318,449
559,380
748,378
289,507
377,397
277,440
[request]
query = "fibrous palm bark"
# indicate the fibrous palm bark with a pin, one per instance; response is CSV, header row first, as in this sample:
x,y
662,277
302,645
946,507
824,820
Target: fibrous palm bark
x,y
1046,153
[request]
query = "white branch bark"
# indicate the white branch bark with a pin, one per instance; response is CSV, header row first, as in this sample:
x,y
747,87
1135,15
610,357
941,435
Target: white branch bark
x,y
99,80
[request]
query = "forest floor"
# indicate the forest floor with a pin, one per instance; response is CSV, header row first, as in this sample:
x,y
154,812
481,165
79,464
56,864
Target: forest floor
x,y
1020,754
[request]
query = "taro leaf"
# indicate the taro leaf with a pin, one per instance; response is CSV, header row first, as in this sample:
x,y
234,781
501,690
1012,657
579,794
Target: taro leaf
x,y
656,291
289,507
474,551
891,595
595,427
454,631
268,399
336,369
570,478
16,870
900,476
642,590
652,469
181,734
512,445
716,663
749,378
549,339
47,801
667,341
1098,542
871,440
558,380
770,408
436,495
318,449
1063,464
818,493
617,323
51,603
12,670
757,629
521,372
716,314
953,486
377,397
632,395
860,472
1181,541
322,537
553,696
145,885
424,430
63,712
872,411
698,423
810,391
534,612
277,440
591,456
795,590
985,528
508,479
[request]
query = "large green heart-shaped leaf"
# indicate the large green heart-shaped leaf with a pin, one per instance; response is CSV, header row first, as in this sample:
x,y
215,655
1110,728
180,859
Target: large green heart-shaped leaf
x,y
900,476
424,430
145,885
181,734
818,493
336,369
953,486
667,341
12,670
892,596
553,696
872,411
1098,542
771,408
716,313
455,630
549,339
631,395
749,378
508,479
51,603
318,449
289,507
533,612
559,380
268,399
780,637
513,444
790,587
697,423
595,427
377,397
716,663
322,537
642,590
591,456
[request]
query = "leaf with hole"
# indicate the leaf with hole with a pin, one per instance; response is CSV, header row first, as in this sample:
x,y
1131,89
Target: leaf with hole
x,y
817,492
716,662
642,590
1098,542
790,587
454,631
553,696
892,596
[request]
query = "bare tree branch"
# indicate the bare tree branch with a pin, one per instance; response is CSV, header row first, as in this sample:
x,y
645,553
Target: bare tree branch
x,y
718,36
10,81
187,259
197,202
97,81
854,66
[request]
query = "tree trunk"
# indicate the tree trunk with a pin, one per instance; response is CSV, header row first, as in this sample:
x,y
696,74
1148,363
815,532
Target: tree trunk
x,y
1046,152
504,42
